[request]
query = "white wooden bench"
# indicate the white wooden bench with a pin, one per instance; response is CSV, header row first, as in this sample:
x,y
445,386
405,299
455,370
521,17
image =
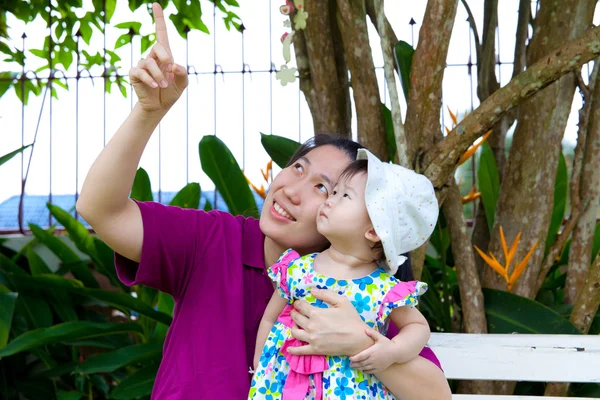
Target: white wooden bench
x,y
518,357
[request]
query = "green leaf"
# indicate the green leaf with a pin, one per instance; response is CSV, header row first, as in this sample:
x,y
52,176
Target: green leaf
x,y
13,153
141,190
279,148
561,187
147,42
222,168
508,313
66,255
123,40
136,385
132,25
85,30
404,54
566,309
110,6
66,57
65,332
488,182
35,310
64,395
8,301
37,266
596,245
111,361
6,82
390,137
188,197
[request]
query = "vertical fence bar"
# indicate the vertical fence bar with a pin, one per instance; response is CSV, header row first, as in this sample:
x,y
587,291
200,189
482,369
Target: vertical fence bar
x,y
77,77
50,78
271,69
105,73
470,72
215,206
242,28
22,83
187,109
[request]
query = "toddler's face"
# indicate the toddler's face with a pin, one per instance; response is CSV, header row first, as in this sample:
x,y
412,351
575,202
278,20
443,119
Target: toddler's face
x,y
344,216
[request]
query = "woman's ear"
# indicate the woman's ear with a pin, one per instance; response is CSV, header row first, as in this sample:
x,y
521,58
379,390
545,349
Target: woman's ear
x,y
371,236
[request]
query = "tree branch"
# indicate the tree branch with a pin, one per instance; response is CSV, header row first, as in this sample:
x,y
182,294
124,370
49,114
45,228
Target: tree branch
x,y
388,59
429,63
353,26
471,20
440,162
520,60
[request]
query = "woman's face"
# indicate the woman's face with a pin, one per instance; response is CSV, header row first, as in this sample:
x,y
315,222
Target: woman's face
x,y
289,213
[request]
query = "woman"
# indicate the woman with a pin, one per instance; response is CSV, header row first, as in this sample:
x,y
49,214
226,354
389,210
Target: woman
x,y
213,264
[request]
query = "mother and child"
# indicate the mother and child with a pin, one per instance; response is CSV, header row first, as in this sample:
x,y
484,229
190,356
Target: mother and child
x,y
293,305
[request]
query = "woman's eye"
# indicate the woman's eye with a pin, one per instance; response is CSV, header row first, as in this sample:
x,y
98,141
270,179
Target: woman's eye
x,y
322,188
298,167
346,195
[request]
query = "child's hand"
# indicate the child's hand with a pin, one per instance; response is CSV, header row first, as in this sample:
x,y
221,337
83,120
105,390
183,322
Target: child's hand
x,y
376,358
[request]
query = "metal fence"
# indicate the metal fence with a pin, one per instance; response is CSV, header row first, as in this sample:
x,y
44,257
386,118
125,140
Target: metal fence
x,y
244,82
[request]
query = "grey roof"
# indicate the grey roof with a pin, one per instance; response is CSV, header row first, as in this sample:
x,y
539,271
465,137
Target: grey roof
x,y
36,211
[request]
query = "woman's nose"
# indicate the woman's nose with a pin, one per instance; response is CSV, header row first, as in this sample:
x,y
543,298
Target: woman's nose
x,y
292,192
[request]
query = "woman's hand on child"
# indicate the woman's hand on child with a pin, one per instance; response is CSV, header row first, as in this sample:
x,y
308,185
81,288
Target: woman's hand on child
x,y
376,358
157,80
334,331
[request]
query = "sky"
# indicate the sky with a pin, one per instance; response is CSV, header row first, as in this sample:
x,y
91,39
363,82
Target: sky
x,y
237,107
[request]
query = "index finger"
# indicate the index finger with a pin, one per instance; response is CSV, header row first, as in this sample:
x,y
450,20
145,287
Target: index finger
x,y
160,25
304,308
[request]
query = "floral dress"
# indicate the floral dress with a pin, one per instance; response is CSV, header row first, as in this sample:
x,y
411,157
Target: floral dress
x,y
325,377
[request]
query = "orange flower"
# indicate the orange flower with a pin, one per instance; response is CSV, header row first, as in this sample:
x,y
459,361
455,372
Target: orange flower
x,y
473,148
509,254
473,195
265,173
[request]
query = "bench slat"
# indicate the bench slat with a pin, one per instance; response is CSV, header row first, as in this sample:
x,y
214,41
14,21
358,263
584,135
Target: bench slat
x,y
518,357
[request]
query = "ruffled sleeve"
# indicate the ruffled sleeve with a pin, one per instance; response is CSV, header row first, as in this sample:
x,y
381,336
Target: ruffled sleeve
x,y
278,272
402,294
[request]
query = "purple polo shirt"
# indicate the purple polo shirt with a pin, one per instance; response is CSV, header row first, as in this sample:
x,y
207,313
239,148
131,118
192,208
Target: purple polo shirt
x,y
212,264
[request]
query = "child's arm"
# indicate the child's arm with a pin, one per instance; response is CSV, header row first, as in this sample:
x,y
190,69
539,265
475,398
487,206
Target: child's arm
x,y
406,345
274,308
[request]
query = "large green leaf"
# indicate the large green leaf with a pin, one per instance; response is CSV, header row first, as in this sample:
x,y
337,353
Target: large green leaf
x,y
136,385
404,54
566,309
65,395
390,137
109,362
35,310
508,313
222,168
279,148
561,187
188,197
59,299
66,332
66,255
141,190
101,255
596,245
488,182
8,301
10,155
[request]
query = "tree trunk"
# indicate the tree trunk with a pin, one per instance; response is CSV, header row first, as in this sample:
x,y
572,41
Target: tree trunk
x,y
583,314
422,125
352,18
471,296
527,191
323,71
580,254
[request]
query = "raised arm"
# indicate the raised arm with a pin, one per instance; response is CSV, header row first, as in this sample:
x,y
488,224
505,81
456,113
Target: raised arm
x,y
104,201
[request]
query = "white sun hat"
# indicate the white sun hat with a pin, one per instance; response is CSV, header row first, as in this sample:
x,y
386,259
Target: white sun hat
x,y
402,207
